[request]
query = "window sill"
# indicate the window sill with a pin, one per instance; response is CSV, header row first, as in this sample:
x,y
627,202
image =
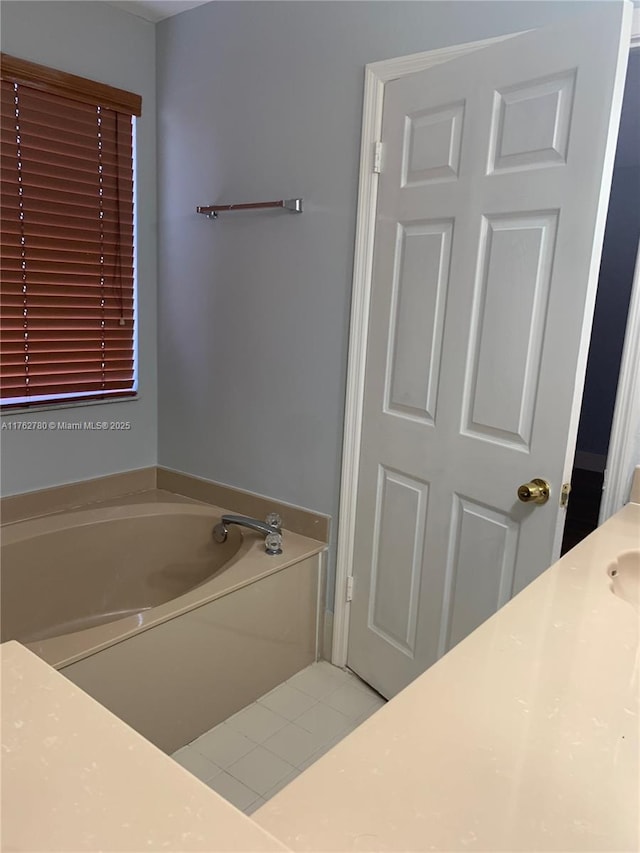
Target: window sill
x,y
61,404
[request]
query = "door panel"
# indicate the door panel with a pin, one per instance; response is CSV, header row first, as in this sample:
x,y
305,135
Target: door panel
x,y
431,145
531,124
484,540
419,295
491,207
504,357
400,523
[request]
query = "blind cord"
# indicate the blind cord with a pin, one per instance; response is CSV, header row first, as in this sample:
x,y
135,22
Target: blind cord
x,y
103,343
117,271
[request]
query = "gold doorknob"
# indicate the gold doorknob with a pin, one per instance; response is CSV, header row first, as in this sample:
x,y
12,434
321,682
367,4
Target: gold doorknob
x,y
536,491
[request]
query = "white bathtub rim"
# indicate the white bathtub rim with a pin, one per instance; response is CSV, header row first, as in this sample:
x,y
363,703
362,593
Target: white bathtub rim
x,y
18,531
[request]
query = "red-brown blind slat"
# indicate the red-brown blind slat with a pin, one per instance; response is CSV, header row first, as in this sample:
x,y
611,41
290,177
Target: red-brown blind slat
x,y
66,247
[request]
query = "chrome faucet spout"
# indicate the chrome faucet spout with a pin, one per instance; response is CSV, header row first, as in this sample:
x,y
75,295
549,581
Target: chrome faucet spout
x,y
251,523
271,529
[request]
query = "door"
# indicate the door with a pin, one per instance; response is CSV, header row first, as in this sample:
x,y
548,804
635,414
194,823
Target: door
x,y
491,206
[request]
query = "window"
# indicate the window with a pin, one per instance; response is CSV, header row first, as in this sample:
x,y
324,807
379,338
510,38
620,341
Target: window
x,y
66,237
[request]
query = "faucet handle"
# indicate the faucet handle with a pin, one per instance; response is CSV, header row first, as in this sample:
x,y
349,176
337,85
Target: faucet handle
x,y
274,520
273,542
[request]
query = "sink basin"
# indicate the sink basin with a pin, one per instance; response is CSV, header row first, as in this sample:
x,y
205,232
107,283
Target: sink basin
x,y
625,577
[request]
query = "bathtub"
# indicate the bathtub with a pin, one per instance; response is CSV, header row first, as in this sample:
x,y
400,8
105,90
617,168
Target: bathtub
x,y
171,631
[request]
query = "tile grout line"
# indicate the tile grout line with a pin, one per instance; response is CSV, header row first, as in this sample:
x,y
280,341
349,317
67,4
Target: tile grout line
x,y
322,672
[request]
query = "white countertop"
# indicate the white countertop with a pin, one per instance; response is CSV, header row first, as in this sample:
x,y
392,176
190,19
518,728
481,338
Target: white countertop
x,y
75,777
523,738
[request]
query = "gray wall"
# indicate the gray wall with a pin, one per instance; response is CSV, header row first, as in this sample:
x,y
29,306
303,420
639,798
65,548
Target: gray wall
x,y
97,41
259,101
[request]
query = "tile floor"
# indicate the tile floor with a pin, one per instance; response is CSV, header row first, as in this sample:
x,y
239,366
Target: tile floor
x,y
252,755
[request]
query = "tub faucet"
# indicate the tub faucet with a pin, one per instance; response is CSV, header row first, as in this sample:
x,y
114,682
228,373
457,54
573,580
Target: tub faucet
x,y
271,528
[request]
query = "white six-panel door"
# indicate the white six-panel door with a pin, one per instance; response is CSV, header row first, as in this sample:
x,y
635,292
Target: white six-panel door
x,y
491,204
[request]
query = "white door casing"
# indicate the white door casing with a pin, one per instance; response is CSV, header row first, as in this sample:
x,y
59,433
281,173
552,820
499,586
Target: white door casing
x,y
490,217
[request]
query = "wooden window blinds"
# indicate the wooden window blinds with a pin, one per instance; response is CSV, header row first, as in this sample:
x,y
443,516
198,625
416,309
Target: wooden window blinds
x,y
66,237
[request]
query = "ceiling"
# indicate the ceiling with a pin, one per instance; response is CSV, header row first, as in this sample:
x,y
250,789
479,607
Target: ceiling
x,y
156,10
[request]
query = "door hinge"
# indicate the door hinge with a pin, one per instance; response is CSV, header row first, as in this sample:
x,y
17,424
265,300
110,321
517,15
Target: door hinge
x,y
377,158
564,494
349,587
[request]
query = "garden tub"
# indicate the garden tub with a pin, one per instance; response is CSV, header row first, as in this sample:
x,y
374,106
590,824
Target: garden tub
x,y
139,606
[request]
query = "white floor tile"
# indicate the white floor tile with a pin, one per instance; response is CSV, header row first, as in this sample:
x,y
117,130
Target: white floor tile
x,y
380,704
281,784
319,679
327,666
323,749
233,790
287,701
323,721
294,744
257,722
252,808
351,700
259,750
222,745
196,763
312,759
362,685
260,770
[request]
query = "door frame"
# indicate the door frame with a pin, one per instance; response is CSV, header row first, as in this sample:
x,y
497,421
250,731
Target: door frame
x,y
377,74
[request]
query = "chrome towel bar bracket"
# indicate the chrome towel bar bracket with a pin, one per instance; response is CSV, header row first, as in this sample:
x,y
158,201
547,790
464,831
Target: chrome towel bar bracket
x,y
293,205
